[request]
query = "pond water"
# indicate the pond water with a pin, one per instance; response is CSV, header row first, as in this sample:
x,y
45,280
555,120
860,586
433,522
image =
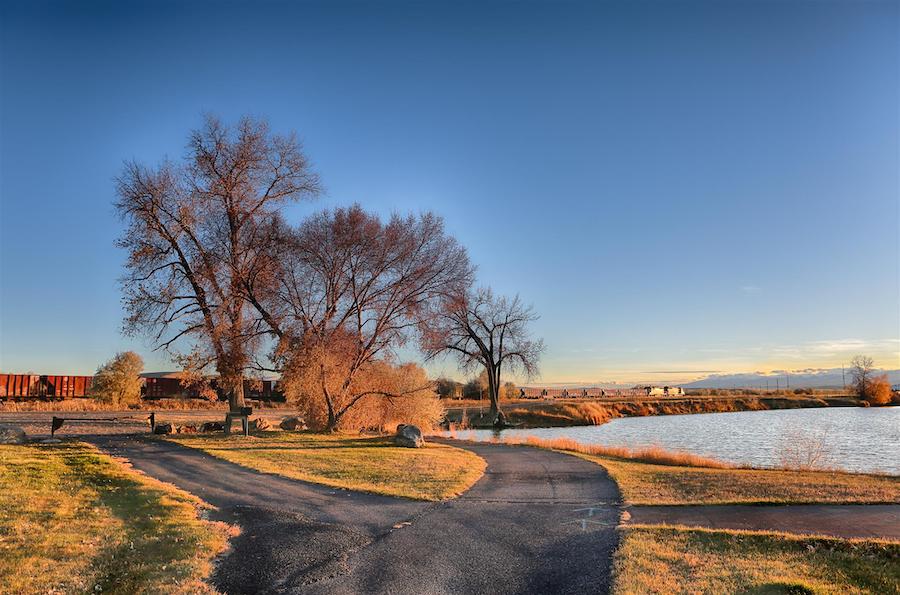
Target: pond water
x,y
850,438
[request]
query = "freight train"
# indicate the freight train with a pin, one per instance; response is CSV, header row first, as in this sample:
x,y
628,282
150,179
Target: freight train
x,y
21,387
595,392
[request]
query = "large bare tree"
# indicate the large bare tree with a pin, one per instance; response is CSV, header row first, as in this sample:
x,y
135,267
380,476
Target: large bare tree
x,y
195,232
489,332
349,290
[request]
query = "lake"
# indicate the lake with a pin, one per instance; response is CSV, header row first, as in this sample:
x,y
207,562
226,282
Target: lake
x,y
850,438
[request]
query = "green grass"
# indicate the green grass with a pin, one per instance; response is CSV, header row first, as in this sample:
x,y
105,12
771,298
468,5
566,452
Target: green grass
x,y
74,520
368,464
656,559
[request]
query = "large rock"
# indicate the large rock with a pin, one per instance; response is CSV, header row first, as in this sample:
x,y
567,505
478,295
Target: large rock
x,y
212,426
10,434
293,424
163,429
260,424
409,435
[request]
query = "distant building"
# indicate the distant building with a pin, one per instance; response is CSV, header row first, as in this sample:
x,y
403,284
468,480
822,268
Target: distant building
x,y
664,391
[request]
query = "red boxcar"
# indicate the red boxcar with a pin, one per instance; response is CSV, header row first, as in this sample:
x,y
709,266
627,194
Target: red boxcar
x,y
19,386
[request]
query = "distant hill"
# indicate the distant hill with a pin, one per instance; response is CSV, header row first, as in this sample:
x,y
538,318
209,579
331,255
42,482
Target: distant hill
x,y
826,378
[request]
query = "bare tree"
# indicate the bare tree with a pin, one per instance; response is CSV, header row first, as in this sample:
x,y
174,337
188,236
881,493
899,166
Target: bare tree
x,y
484,330
862,368
349,290
195,231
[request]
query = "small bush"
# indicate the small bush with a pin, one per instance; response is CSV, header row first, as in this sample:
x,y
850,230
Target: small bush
x,y
878,391
118,381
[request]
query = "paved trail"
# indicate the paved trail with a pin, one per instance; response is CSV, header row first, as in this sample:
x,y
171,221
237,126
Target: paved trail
x,y
838,520
537,522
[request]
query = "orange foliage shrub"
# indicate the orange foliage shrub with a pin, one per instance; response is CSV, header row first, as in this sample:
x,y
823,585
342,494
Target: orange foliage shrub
x,y
878,390
380,395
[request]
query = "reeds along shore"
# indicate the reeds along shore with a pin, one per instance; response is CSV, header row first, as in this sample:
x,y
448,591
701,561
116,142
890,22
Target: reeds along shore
x,y
649,454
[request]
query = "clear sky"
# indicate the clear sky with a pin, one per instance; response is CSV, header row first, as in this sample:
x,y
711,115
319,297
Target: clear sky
x,y
678,187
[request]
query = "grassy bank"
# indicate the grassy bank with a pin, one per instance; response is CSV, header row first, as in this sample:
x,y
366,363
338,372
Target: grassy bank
x,y
584,412
369,464
644,483
75,520
657,476
669,560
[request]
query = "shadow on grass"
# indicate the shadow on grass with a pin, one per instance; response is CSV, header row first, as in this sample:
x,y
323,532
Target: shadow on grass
x,y
156,544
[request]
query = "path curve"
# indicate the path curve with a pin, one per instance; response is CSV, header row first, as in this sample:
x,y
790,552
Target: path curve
x,y
537,521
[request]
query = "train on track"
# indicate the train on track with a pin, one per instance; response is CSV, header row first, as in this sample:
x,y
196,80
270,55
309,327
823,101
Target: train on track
x,y
23,387
597,392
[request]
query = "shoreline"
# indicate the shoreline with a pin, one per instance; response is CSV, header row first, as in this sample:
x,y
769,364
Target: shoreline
x,y
590,412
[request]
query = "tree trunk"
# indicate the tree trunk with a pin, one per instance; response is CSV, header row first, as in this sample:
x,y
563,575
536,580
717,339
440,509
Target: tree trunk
x,y
235,387
332,420
494,392
329,404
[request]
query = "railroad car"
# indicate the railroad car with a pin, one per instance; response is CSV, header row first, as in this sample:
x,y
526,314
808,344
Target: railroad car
x,y
531,393
23,386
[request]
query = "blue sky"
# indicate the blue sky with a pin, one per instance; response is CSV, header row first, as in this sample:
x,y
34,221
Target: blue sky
x,y
679,188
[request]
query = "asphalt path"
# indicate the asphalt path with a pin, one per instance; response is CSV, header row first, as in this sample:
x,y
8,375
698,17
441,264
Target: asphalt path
x,y
538,521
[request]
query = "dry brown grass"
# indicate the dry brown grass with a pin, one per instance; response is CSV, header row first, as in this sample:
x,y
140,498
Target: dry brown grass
x,y
649,454
73,520
642,483
365,463
667,560
654,475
